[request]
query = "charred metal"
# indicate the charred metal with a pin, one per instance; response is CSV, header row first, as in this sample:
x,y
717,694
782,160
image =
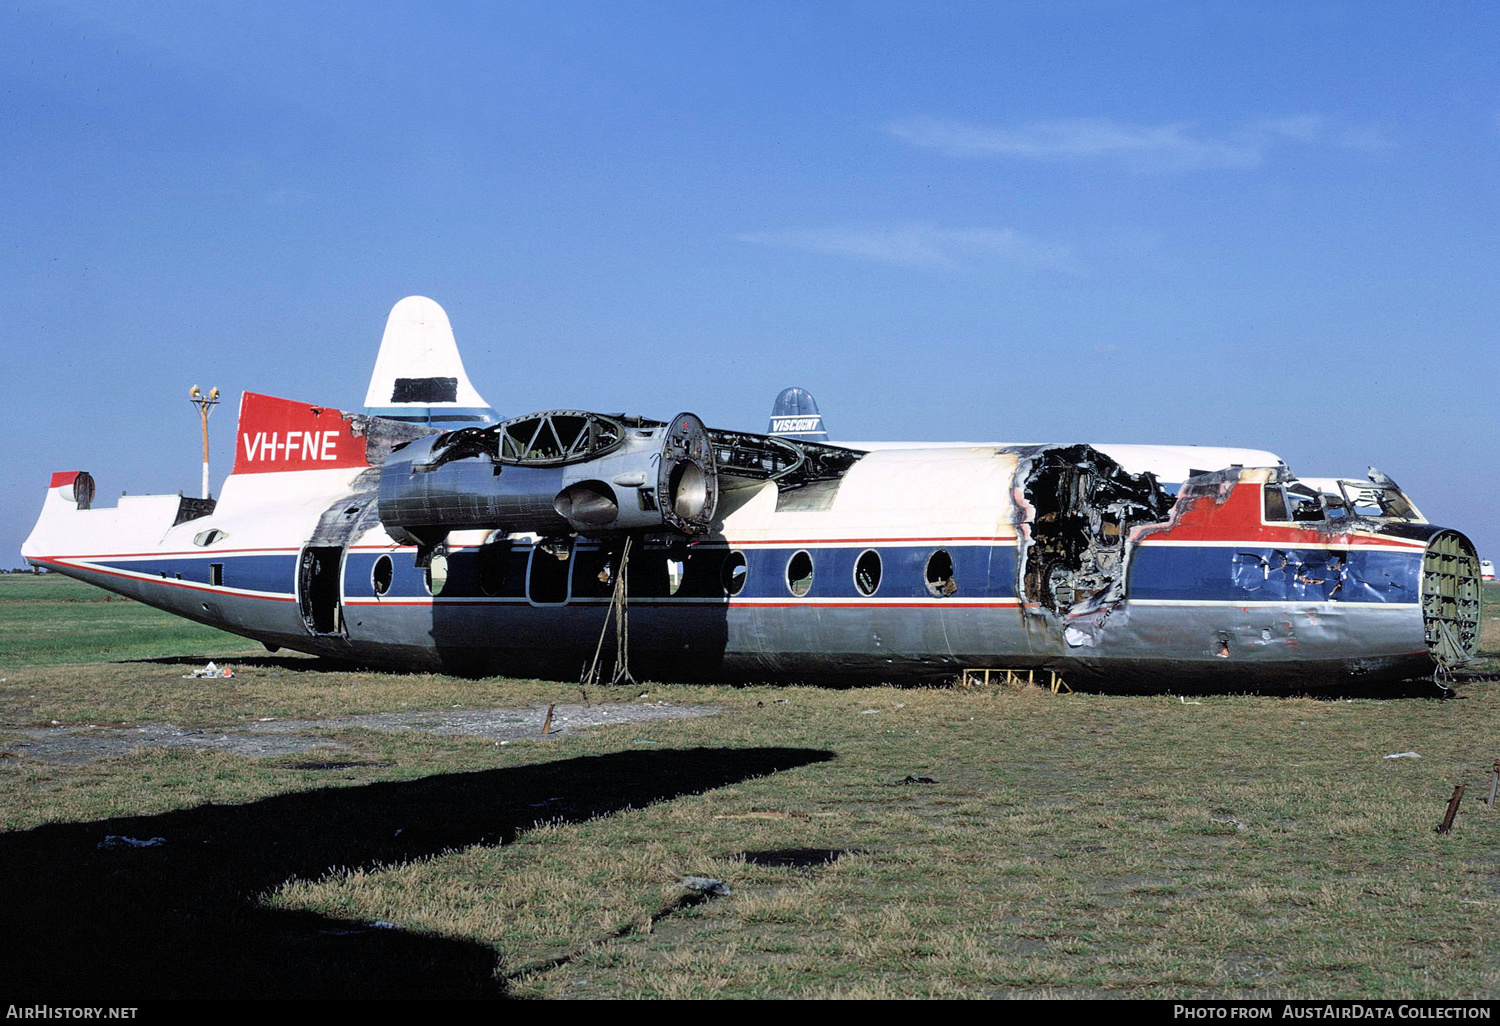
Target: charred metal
x,y
1077,512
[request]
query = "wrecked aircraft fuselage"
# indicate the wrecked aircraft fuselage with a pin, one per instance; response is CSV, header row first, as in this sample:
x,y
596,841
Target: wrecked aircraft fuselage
x,y
1230,570
498,549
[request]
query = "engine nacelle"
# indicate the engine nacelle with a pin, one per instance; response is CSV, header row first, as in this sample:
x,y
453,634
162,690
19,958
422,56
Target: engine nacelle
x,y
558,472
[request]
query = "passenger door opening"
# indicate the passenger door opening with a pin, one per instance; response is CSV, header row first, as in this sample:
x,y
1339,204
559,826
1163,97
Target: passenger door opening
x,y
547,576
318,589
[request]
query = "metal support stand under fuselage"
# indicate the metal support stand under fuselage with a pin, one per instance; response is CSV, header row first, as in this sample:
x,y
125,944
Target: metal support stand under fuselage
x,y
619,609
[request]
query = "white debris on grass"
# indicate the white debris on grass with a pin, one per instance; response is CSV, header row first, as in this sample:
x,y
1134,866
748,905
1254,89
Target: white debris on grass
x,y
211,670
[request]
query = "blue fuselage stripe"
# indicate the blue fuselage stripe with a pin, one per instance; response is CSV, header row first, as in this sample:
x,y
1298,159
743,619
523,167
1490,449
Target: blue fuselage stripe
x,y
1180,573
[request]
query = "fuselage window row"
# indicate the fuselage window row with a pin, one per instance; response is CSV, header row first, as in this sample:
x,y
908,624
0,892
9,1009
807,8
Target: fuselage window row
x,y
500,569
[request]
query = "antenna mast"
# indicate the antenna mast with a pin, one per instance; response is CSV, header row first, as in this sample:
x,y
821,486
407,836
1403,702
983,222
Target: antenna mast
x,y
205,404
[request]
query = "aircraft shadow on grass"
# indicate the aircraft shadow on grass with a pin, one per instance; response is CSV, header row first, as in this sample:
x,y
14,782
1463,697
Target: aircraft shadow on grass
x,y
114,923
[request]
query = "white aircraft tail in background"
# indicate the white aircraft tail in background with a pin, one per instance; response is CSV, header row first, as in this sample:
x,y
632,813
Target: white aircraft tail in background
x,y
419,376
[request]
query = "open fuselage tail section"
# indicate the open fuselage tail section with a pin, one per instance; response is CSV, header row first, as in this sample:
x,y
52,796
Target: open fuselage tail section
x,y
231,562
419,376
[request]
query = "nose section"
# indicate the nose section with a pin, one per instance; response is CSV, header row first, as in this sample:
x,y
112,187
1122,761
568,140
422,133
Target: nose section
x,y
1450,599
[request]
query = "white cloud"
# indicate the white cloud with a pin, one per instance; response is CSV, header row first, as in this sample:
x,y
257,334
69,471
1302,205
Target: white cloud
x,y
1303,127
1177,146
923,245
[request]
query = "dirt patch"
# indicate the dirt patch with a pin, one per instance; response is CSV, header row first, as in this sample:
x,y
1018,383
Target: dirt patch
x,y
78,745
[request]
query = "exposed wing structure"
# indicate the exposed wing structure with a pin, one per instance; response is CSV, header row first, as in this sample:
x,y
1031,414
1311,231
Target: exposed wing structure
x,y
570,471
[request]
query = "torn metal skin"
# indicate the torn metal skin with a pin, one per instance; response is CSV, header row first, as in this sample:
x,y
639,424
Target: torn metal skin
x,y
1081,521
1078,517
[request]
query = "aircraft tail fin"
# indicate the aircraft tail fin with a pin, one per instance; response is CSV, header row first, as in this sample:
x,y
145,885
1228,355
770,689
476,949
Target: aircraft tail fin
x,y
795,415
283,434
419,376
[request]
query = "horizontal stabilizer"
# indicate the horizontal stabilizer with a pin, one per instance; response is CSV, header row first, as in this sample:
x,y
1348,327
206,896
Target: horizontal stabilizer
x,y
419,376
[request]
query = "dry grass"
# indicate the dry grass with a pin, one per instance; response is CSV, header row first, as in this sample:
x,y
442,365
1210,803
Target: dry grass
x,y
1083,845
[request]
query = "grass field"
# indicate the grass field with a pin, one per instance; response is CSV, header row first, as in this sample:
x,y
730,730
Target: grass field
x,y
55,619
1075,845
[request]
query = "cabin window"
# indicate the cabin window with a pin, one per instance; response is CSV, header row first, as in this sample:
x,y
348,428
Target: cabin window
x,y
436,575
734,573
596,570
547,576
501,566
867,572
216,574
939,572
493,557
702,573
382,575
656,570
799,574
209,537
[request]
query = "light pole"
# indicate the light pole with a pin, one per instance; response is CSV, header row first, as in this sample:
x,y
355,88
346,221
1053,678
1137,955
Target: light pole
x,y
205,404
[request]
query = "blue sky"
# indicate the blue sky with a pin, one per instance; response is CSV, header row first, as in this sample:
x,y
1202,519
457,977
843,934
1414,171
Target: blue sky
x,y
1266,225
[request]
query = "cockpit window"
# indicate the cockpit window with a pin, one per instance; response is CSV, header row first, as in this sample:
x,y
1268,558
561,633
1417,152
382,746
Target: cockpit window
x,y
1335,500
1298,503
1275,504
1372,500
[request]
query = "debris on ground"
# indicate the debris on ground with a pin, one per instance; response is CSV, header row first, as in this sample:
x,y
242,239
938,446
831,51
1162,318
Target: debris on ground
x,y
1447,824
1403,755
911,779
211,670
112,841
706,885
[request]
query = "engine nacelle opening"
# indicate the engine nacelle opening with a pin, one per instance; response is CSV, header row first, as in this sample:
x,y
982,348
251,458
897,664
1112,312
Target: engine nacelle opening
x,y
553,473
587,502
